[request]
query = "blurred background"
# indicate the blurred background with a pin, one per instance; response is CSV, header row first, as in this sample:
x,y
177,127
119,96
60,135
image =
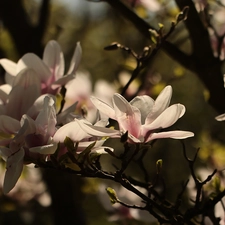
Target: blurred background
x,y
55,198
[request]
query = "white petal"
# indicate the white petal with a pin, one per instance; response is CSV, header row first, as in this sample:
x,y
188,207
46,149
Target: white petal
x,y
45,149
104,107
9,125
220,117
176,134
54,59
4,92
11,70
66,115
71,130
102,123
98,131
46,119
38,105
9,66
167,118
30,60
144,104
161,103
14,167
25,91
101,150
75,61
5,152
62,81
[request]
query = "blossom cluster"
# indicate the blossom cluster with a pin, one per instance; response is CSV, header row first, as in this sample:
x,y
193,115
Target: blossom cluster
x,y
35,122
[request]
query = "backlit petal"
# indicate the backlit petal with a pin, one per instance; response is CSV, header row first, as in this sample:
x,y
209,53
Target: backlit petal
x,y
220,117
144,104
98,131
75,61
45,149
176,134
54,59
9,66
71,130
104,107
167,118
25,91
32,61
161,103
62,81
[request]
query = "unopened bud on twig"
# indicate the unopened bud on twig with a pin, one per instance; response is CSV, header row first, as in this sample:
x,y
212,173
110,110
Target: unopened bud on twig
x,y
113,46
183,14
112,195
159,165
154,36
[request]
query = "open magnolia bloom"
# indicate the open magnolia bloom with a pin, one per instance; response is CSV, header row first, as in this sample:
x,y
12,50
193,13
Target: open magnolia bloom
x,y
32,141
143,117
50,69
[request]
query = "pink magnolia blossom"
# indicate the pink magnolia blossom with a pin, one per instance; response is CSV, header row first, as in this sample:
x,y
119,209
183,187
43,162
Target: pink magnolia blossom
x,y
31,140
143,117
49,70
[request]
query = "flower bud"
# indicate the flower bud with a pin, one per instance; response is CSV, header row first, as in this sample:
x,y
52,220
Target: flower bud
x,y
112,195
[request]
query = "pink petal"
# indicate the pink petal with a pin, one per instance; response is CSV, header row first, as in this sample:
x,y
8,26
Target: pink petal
x,y
128,116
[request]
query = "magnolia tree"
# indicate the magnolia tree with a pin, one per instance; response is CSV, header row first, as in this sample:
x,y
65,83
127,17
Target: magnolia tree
x,y
50,119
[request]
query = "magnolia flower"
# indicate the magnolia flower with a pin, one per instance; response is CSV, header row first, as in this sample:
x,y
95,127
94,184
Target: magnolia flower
x,y
31,140
39,132
49,70
143,117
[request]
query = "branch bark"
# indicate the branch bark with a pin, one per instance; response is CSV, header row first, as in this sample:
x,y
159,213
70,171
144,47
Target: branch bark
x,y
202,61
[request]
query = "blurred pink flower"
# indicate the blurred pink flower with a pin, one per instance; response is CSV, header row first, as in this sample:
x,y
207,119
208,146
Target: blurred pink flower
x,y
49,70
31,140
